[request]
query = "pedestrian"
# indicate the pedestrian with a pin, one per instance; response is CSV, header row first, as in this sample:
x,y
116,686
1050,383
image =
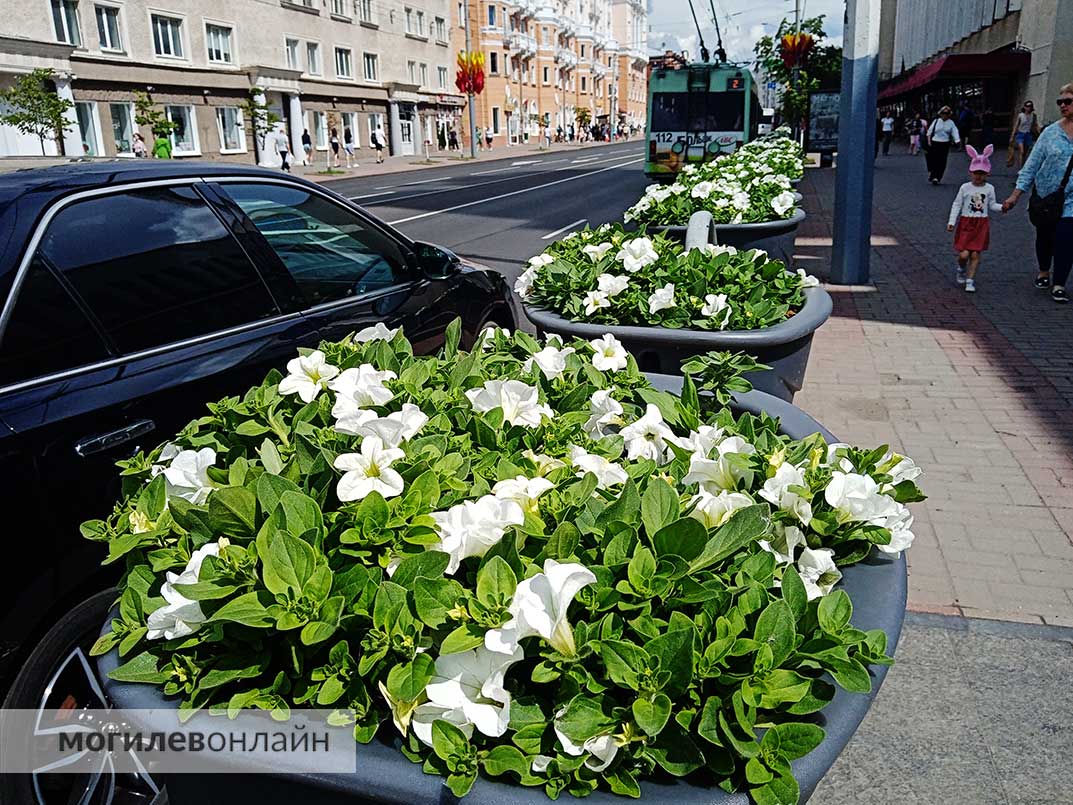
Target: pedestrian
x,y
348,147
915,123
307,147
334,141
887,124
1047,171
879,136
138,146
379,143
283,148
452,140
546,129
970,217
966,120
478,137
558,134
988,124
162,147
942,133
1024,134
488,138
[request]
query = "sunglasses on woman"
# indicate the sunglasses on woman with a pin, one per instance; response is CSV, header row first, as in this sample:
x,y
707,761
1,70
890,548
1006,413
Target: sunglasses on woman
x,y
1064,101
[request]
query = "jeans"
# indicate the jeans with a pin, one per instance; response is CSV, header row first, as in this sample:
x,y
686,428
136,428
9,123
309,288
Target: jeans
x,y
1054,244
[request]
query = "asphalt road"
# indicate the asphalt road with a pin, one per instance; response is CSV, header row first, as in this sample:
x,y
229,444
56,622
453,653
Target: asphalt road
x,y
500,213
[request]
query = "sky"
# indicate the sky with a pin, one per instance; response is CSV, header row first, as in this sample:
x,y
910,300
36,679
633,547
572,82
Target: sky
x,y
743,22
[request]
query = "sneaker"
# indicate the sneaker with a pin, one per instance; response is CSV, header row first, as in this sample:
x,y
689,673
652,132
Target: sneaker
x,y
1043,281
1059,294
970,286
960,275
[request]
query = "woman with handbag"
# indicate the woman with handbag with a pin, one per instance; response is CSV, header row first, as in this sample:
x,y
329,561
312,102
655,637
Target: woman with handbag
x,y
942,133
1050,208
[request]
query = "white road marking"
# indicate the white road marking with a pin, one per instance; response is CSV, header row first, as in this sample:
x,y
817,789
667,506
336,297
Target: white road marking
x,y
584,159
550,235
524,162
372,195
489,173
426,181
513,193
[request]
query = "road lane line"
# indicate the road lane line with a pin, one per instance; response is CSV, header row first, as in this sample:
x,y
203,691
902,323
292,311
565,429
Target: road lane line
x,y
524,162
372,195
513,193
489,173
426,181
585,159
550,235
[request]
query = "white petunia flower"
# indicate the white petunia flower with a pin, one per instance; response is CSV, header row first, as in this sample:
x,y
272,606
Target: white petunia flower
x,y
541,260
899,468
523,491
523,286
783,203
636,254
716,249
607,473
807,280
858,498
648,437
900,525
777,491
392,430
605,412
486,338
595,300
714,510
187,476
601,749
596,252
702,190
716,306
369,471
818,571
552,361
661,298
722,472
517,400
472,527
703,440
180,616
783,543
307,376
610,355
378,332
545,464
611,284
363,386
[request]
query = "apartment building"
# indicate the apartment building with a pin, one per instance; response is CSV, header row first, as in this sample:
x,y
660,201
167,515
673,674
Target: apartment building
x,y
547,59
321,65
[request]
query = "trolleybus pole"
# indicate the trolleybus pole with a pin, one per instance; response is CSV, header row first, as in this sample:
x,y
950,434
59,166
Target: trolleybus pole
x,y
472,112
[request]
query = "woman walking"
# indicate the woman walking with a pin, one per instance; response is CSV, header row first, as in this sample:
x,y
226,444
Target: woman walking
x,y
307,147
942,133
916,126
1025,132
334,140
1048,167
348,147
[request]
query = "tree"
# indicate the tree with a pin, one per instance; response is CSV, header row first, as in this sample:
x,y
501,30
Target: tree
x,y
821,68
145,114
584,116
35,108
262,119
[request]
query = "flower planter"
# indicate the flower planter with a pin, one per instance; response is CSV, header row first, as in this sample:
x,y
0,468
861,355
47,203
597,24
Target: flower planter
x,y
877,587
774,237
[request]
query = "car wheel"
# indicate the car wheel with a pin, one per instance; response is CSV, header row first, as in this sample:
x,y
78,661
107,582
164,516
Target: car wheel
x,y
58,679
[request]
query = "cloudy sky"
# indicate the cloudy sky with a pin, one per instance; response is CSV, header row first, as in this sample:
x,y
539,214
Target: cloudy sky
x,y
742,22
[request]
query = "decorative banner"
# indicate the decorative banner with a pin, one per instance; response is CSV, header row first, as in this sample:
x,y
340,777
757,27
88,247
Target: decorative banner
x,y
470,76
795,49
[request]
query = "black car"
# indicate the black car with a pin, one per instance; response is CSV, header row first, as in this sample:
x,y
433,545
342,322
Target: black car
x,y
135,292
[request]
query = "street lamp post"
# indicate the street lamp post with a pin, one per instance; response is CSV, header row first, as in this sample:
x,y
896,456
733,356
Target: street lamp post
x,y
472,112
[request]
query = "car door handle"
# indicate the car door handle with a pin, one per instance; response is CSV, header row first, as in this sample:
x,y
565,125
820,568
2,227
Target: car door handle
x,y
105,441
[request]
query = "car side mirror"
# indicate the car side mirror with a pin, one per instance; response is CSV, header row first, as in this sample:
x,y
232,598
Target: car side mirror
x,y
435,262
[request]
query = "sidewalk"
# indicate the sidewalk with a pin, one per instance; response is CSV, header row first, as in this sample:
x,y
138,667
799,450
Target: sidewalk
x,y
977,389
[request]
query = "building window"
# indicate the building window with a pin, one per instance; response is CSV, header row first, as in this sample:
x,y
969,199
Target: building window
x,y
312,58
290,46
492,16
89,128
493,60
441,77
184,138
343,67
583,51
108,28
495,120
411,71
547,74
365,10
441,29
424,75
229,127
167,36
409,12
583,82
421,23
372,67
122,127
376,121
65,21
350,122
320,130
339,8
218,40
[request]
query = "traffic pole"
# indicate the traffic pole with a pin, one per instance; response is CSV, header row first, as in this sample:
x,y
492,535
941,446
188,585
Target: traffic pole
x,y
472,112
856,143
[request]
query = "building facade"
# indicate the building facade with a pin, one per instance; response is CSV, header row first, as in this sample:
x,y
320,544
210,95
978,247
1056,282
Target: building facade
x,y
547,60
319,66
988,54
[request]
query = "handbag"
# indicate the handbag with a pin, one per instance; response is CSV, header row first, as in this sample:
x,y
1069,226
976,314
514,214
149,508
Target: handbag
x,y
1046,211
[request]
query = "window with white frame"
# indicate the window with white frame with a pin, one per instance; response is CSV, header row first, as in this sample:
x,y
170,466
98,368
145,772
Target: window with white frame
x,y
122,127
441,77
350,121
492,16
65,22
229,127
365,10
320,129
547,74
167,36
493,60
411,71
495,120
184,138
441,29
312,58
375,121
339,8
290,48
409,15
218,41
108,28
343,67
372,66
89,128
424,75
421,23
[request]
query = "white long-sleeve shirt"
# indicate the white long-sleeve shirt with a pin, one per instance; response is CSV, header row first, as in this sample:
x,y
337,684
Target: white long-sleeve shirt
x,y
944,131
974,201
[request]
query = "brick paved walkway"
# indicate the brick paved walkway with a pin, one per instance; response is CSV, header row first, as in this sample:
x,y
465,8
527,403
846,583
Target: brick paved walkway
x,y
977,389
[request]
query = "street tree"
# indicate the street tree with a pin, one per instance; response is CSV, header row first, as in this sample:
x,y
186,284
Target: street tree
x,y
34,107
150,116
262,119
584,117
821,67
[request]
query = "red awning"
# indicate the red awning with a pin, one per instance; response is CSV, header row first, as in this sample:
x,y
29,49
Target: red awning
x,y
958,65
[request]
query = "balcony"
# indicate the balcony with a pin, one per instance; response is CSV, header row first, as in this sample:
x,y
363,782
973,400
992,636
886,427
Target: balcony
x,y
599,69
520,44
566,58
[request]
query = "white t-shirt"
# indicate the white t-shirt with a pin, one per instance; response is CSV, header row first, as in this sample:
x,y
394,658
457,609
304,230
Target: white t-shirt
x,y
944,131
974,202
888,124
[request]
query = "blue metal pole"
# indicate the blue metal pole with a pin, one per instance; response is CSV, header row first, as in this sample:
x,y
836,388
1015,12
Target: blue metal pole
x,y
856,144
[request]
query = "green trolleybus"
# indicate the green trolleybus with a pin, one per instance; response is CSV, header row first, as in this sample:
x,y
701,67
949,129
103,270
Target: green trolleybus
x,y
697,112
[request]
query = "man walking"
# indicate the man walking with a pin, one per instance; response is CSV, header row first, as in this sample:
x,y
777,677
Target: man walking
x,y
887,124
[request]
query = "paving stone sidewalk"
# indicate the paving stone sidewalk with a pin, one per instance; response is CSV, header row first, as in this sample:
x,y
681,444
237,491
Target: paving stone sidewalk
x,y
977,389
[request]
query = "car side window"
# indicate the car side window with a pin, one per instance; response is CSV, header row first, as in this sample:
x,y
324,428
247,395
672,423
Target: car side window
x,y
47,331
155,266
330,252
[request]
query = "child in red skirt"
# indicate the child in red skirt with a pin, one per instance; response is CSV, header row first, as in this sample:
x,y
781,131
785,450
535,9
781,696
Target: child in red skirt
x,y
970,212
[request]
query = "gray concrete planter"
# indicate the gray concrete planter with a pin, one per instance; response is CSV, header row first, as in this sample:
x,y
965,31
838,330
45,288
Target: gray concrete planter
x,y
877,587
774,237
784,347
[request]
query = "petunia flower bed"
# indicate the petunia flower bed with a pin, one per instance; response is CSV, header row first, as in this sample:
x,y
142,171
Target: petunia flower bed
x,y
520,562
611,276
750,185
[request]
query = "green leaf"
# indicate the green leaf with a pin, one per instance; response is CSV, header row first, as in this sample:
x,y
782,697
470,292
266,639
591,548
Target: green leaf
x,y
502,759
775,627
675,652
685,538
389,603
434,598
233,511
447,739
622,782
624,661
563,542
708,726
651,714
496,582
288,563
451,338
269,490
793,592
756,772
834,612
142,668
659,505
850,674
782,790
744,527
326,623
373,511
626,508
641,569
586,716
797,739
301,513
407,682
250,609
430,564
675,751
465,637
460,784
